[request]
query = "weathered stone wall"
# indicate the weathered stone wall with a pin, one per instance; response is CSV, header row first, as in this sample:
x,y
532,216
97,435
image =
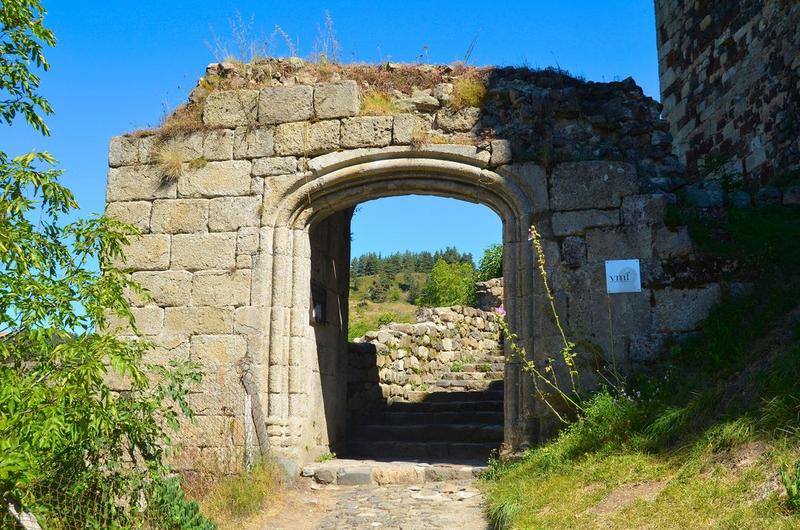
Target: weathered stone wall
x,y
546,116
400,360
330,257
730,82
600,218
237,241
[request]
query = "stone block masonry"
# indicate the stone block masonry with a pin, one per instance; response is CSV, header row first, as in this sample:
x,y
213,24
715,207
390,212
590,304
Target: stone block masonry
x,y
730,82
246,250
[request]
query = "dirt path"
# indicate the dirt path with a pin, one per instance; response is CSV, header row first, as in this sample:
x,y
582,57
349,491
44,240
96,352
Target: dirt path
x,y
443,505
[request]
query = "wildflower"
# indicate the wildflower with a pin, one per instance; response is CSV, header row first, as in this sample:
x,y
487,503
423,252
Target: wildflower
x,y
501,311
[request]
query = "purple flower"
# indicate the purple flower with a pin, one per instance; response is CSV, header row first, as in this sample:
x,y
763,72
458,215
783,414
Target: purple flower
x,y
500,311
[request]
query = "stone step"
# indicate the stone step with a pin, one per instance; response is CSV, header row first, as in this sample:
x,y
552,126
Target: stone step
x,y
485,367
421,450
494,394
352,472
456,386
467,360
394,417
433,407
438,432
491,359
466,376
486,378
463,384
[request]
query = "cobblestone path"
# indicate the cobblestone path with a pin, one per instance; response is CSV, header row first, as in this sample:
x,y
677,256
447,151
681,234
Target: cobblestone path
x,y
445,505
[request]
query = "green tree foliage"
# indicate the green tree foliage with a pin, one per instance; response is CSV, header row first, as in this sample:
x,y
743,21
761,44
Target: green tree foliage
x,y
409,284
491,264
450,284
425,262
380,289
22,41
172,510
73,451
397,262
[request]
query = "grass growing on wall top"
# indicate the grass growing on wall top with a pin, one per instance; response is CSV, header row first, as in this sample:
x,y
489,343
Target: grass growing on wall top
x,y
468,92
378,103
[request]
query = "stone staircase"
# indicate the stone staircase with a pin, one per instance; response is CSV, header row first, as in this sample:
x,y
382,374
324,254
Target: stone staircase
x,y
472,375
459,419
431,391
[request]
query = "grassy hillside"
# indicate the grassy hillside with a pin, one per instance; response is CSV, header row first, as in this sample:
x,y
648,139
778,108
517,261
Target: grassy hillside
x,y
386,289
367,315
703,440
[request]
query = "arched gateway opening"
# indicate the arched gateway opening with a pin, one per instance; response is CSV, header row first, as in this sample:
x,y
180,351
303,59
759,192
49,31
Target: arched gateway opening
x,y
310,230
424,372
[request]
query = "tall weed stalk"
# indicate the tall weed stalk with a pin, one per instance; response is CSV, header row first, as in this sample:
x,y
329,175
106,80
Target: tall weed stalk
x,y
545,379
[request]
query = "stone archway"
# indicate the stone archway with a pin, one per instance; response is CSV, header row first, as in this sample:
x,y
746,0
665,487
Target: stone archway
x,y
340,181
226,246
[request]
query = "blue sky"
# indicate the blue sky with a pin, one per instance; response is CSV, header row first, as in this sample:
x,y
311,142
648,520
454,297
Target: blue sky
x,y
119,66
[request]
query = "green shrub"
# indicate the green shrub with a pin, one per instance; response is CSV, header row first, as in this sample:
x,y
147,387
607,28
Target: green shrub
x,y
67,437
791,481
379,290
450,284
491,264
169,509
358,328
387,318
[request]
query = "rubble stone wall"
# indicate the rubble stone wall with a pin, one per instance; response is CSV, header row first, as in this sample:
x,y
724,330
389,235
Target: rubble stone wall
x,y
730,82
398,360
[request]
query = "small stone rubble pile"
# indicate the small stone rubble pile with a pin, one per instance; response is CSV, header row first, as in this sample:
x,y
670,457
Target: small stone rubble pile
x,y
489,294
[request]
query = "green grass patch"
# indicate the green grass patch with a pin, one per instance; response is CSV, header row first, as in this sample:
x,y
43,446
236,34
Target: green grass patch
x,y
376,315
234,499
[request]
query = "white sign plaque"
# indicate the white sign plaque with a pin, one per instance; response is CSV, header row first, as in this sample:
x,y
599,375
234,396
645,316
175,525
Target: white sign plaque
x,y
622,276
